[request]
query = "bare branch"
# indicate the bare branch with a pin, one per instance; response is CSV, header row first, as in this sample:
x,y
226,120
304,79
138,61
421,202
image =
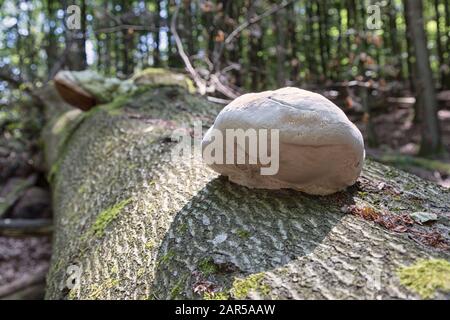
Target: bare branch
x,y
256,19
272,10
228,92
124,27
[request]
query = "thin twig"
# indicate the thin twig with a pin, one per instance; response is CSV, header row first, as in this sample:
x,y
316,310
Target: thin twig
x,y
228,92
21,227
273,9
124,27
248,23
218,100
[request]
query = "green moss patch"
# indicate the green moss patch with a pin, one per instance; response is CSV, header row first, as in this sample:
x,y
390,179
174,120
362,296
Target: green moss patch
x,y
243,234
178,288
216,296
242,287
425,277
162,77
106,217
165,258
207,266
405,162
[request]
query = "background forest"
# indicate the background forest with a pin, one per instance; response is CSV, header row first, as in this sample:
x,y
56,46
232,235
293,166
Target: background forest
x,y
231,47
385,63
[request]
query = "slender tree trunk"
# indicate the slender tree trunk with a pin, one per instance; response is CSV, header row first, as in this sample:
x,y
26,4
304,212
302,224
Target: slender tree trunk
x,y
351,29
439,45
236,50
446,48
280,32
396,52
322,40
76,59
108,47
253,59
310,56
446,83
338,56
447,23
410,58
51,47
157,52
188,27
426,97
127,48
293,42
173,57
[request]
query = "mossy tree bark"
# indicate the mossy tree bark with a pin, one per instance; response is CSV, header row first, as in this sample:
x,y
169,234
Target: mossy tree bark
x,y
138,225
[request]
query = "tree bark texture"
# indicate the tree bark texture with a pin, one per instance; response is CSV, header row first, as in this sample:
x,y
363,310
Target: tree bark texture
x,y
141,226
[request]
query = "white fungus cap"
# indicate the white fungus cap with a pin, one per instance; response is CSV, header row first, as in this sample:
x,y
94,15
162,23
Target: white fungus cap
x,y
320,150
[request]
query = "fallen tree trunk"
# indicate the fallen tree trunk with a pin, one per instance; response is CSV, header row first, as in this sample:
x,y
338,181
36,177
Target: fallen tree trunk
x,y
132,224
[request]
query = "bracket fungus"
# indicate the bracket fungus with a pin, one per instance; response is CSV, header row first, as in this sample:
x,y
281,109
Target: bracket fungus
x,y
318,149
72,92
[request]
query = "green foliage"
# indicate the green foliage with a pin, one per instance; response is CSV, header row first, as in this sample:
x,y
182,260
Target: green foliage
x,y
244,234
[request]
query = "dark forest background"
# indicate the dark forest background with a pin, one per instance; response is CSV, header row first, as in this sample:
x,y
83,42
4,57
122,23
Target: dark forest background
x,y
239,46
281,42
231,47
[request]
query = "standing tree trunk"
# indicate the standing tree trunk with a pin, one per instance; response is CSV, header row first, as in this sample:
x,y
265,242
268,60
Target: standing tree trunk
x,y
447,32
293,42
338,56
439,45
188,31
322,40
255,43
423,82
51,46
108,46
157,52
127,48
396,52
309,40
76,39
236,49
409,59
278,21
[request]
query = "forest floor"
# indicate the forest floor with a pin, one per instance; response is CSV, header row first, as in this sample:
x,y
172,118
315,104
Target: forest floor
x,y
25,193
397,135
399,140
25,201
